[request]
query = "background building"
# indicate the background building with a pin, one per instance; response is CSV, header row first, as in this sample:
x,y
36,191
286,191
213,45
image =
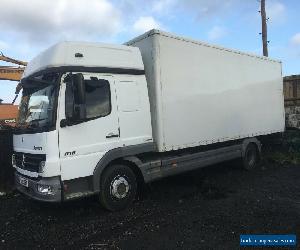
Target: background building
x,y
291,89
8,114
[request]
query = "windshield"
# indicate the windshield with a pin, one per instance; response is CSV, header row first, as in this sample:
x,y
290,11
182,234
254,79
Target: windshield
x,y
37,106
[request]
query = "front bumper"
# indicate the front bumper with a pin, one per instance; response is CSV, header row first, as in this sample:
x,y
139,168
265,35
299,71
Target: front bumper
x,y
32,189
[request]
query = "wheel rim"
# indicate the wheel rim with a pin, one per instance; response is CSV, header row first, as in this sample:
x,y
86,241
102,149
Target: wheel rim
x,y
119,187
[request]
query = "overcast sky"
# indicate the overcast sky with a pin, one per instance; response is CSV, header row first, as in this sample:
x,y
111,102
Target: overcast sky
x,y
28,27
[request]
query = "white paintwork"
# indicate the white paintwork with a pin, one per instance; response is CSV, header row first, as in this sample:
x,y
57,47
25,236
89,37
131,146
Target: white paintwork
x,y
94,55
202,94
130,110
199,94
48,141
88,139
134,110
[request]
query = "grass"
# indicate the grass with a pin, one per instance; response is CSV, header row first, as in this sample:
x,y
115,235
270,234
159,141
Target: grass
x,y
282,158
285,150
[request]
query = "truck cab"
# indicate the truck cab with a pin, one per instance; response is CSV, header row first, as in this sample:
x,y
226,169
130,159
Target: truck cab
x,y
81,104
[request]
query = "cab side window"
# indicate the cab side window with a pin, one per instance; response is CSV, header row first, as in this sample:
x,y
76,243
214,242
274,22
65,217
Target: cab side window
x,y
98,98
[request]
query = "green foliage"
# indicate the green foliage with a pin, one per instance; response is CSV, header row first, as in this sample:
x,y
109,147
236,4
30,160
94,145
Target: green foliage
x,y
284,151
282,158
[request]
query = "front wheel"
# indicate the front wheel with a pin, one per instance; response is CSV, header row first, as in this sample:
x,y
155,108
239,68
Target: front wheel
x,y
251,157
118,187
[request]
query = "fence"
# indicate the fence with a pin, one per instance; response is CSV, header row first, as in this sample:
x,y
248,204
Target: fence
x,y
291,89
6,169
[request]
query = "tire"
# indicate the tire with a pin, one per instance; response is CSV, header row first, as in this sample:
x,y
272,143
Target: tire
x,y
251,157
118,187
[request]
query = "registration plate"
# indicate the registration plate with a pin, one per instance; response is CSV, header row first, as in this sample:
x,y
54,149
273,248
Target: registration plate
x,y
23,181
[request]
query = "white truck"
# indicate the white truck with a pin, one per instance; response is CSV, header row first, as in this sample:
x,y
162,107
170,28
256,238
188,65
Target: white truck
x,y
103,119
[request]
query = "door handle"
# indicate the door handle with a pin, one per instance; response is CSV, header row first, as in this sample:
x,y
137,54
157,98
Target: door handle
x,y
112,135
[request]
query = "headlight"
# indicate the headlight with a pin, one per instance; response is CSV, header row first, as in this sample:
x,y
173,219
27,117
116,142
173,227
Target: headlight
x,y
41,167
45,189
13,160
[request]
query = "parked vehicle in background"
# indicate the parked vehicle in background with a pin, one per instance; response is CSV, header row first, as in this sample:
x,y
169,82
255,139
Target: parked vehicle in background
x,y
102,119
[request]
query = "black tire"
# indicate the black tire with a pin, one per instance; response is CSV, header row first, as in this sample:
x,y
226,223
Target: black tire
x,y
118,187
251,158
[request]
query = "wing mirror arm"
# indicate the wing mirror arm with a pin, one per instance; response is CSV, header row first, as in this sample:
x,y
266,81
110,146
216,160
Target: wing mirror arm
x,y
64,123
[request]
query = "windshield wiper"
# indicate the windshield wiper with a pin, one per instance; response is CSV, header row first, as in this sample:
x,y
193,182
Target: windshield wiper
x,y
35,123
19,129
37,120
29,126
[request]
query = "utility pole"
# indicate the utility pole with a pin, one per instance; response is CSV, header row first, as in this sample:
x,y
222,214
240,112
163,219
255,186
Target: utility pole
x,y
264,34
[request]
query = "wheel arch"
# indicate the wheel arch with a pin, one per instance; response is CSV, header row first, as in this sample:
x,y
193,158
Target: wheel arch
x,y
253,140
134,163
127,155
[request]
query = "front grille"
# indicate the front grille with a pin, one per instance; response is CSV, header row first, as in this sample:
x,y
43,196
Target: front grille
x,y
29,162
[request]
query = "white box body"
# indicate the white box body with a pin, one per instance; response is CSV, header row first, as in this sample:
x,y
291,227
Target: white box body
x,y
202,94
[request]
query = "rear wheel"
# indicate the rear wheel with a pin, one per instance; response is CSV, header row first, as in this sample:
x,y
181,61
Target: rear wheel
x,y
251,157
118,187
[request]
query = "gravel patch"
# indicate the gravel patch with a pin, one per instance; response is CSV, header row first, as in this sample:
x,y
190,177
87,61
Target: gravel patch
x,y
206,209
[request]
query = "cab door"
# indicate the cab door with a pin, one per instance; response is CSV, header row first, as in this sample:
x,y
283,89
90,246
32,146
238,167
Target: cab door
x,y
83,144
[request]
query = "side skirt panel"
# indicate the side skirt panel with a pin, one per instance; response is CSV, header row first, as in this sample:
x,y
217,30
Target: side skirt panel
x,y
174,165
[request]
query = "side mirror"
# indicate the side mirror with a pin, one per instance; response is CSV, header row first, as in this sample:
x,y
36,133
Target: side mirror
x,y
69,101
80,109
75,109
78,82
